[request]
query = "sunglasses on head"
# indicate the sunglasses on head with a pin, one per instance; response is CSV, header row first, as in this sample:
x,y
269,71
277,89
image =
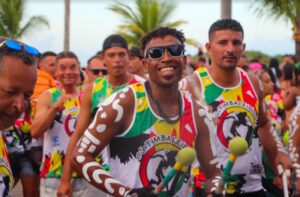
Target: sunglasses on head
x,y
97,71
17,46
158,52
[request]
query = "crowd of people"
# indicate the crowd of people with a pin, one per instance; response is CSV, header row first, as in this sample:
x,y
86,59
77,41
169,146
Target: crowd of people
x,y
115,127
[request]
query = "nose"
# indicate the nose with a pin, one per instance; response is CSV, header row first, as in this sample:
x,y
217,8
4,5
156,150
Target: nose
x,y
19,103
230,47
117,58
166,56
68,71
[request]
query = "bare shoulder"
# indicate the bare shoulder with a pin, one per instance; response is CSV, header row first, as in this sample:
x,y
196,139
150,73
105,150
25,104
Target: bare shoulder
x,y
118,109
124,96
44,99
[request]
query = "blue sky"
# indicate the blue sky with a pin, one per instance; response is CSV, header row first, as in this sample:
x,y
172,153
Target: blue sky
x,y
92,22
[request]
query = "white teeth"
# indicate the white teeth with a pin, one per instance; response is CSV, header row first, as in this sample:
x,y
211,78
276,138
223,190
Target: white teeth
x,y
166,69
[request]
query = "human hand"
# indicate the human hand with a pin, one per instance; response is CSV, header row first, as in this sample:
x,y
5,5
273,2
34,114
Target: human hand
x,y
143,192
64,189
283,160
63,98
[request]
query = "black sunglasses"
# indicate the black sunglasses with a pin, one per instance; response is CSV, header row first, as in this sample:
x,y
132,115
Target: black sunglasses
x,y
158,52
97,71
17,46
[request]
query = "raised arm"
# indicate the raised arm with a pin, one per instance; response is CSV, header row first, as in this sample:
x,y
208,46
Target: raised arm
x,y
205,147
45,113
82,123
109,121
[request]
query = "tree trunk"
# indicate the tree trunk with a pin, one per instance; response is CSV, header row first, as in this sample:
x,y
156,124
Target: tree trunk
x,y
225,9
67,26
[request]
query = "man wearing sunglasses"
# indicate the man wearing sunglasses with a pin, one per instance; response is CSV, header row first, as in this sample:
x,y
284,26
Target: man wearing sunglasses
x,y
95,68
115,58
18,72
238,107
144,125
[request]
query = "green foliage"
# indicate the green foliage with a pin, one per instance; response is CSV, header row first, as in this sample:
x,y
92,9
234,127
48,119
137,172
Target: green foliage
x,y
288,9
12,13
146,16
251,55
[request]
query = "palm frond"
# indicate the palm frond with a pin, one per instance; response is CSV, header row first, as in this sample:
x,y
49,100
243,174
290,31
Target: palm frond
x,y
146,16
192,42
32,24
176,24
12,16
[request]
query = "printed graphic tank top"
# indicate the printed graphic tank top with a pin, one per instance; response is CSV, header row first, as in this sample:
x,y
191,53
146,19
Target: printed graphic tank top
x,y
236,109
6,176
147,150
57,137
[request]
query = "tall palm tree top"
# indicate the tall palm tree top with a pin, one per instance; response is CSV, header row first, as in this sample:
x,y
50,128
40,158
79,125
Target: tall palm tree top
x,y
145,17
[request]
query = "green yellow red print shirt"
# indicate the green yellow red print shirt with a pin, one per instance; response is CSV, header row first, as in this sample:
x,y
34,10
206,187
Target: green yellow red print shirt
x,y
57,137
6,177
147,150
236,110
18,136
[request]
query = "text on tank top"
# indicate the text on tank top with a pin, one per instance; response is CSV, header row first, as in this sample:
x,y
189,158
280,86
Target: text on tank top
x,y
152,144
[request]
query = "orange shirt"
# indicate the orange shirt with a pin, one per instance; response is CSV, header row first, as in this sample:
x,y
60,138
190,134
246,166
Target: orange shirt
x,y
44,82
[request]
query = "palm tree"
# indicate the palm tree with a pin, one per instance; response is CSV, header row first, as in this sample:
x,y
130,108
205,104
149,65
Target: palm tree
x,y
11,15
146,16
287,9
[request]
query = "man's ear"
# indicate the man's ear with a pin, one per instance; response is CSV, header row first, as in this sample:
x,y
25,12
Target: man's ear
x,y
244,46
208,46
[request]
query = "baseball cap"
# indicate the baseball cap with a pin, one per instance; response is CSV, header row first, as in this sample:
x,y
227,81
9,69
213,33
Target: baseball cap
x,y
114,41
